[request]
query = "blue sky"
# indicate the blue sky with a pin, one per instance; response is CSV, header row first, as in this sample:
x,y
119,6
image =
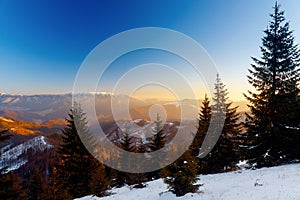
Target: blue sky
x,y
42,43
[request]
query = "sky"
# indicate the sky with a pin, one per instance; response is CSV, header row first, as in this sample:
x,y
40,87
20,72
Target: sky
x,y
43,43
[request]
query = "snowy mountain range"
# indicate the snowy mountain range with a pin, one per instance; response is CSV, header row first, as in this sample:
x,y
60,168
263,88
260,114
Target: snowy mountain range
x,y
41,108
14,157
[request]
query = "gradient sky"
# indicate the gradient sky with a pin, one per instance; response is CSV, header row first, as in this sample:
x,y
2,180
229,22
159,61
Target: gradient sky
x,y
42,43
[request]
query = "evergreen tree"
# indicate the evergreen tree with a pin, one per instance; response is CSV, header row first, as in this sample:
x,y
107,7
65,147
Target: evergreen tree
x,y
140,178
225,153
36,187
56,191
157,142
10,186
181,175
126,143
203,124
99,182
273,124
77,165
135,179
126,162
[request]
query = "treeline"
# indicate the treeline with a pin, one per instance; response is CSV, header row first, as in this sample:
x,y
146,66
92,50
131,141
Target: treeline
x,y
269,136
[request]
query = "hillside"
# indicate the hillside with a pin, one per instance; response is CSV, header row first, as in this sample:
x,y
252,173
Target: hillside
x,y
31,145
20,127
280,183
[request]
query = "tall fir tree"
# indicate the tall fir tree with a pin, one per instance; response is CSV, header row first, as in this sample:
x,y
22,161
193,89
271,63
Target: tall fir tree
x,y
203,124
135,179
140,177
36,187
127,144
99,182
158,141
55,190
126,161
11,186
77,165
181,176
273,123
225,153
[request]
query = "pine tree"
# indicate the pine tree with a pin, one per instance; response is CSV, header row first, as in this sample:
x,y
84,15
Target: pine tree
x,y
126,143
77,165
56,191
99,182
181,175
203,124
272,125
135,179
10,187
158,141
140,178
225,153
36,186
126,162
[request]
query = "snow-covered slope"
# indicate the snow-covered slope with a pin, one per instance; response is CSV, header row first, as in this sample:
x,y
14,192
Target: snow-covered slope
x,y
276,183
14,157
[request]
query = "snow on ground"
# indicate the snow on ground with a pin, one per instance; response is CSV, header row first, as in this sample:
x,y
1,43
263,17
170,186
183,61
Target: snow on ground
x,y
276,183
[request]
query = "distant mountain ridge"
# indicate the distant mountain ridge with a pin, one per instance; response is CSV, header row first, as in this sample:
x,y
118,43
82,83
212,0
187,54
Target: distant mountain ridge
x,y
35,108
42,108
